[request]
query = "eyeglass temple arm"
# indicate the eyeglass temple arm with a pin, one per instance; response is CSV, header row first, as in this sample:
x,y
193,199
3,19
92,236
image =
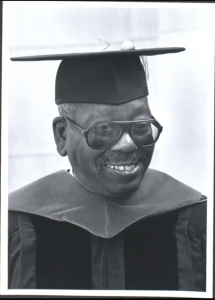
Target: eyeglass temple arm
x,y
81,129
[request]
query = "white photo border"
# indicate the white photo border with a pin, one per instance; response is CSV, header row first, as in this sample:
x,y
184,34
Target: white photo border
x,y
4,158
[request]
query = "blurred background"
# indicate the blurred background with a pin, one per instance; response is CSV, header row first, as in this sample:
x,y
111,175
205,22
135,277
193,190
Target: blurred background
x,y
178,85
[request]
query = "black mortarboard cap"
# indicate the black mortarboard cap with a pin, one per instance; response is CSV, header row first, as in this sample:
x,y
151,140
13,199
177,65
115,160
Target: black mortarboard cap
x,y
111,80
107,77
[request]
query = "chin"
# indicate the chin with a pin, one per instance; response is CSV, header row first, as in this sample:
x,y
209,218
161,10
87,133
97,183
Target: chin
x,y
119,184
122,190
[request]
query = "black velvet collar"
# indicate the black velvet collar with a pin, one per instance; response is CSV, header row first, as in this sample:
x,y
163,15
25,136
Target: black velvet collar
x,y
60,197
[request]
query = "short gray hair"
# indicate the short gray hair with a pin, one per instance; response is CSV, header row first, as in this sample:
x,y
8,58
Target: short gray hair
x,y
68,109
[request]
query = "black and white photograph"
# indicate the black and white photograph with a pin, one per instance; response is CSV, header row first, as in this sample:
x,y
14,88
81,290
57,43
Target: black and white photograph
x,y
107,149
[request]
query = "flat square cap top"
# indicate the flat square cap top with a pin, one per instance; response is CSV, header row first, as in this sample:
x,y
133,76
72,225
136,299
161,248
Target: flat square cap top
x,y
104,77
117,53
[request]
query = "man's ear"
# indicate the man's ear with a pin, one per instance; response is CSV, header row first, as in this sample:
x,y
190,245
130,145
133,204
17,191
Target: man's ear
x,y
59,129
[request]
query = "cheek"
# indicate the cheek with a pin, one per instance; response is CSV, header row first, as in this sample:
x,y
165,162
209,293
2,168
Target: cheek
x,y
149,152
83,157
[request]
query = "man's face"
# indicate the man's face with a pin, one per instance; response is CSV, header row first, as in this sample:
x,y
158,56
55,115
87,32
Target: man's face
x,y
116,171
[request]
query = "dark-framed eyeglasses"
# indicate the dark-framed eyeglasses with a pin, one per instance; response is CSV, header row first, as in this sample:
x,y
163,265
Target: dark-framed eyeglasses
x,y
104,134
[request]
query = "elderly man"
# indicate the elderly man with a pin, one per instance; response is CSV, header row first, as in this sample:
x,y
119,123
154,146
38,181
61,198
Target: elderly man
x,y
111,223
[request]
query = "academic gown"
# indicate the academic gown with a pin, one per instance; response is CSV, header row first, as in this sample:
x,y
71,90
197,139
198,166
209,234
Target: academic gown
x,y
62,236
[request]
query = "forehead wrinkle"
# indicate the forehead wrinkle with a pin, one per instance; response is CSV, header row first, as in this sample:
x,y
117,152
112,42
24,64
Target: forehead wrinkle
x,y
94,110
90,113
135,105
106,111
135,108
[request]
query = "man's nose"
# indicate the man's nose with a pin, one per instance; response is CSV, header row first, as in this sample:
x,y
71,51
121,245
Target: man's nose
x,y
125,144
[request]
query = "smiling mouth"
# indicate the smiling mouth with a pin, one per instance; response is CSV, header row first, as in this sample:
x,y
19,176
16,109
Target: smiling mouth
x,y
121,163
124,169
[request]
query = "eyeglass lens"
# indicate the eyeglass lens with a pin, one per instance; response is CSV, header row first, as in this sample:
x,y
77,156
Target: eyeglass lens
x,y
144,133
105,134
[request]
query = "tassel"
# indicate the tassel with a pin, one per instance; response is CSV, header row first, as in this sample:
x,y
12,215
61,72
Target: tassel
x,y
144,62
104,42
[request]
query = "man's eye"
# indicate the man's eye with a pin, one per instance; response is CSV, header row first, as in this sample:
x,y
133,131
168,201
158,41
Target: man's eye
x,y
141,127
103,129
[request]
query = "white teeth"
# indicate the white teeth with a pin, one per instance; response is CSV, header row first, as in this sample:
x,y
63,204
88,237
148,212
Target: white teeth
x,y
130,168
109,166
125,169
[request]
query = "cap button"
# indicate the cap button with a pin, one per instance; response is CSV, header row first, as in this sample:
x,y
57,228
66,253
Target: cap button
x,y
127,45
